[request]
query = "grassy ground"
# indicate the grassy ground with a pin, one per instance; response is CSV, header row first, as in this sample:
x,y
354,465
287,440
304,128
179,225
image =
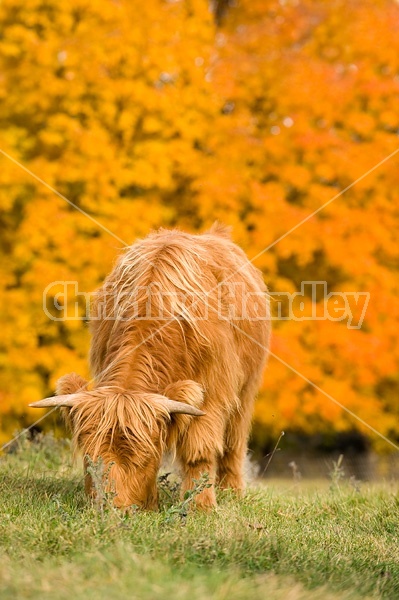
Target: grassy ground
x,y
280,542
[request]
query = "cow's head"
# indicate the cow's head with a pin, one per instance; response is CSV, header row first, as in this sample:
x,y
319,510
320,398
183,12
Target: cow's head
x,y
128,431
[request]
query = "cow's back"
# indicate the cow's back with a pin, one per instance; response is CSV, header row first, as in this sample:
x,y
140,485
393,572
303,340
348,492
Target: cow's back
x,y
196,299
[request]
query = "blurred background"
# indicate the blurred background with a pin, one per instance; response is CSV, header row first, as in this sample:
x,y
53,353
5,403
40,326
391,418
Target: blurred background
x,y
176,113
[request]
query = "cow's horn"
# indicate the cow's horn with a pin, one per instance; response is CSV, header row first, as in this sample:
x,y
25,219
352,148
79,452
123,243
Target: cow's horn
x,y
180,407
63,400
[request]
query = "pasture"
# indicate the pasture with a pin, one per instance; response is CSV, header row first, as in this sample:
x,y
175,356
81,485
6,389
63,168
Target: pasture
x,y
282,541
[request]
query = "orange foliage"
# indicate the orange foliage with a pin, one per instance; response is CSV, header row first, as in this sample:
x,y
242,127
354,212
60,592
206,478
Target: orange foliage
x,y
156,115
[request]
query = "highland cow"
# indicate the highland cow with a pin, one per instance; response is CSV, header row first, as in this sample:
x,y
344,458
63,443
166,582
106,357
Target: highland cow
x,y
180,331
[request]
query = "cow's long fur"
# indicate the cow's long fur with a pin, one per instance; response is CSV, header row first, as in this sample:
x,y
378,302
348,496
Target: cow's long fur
x,y
187,349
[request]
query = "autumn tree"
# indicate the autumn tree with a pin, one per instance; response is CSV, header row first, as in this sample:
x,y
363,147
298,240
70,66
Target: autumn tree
x,y
168,113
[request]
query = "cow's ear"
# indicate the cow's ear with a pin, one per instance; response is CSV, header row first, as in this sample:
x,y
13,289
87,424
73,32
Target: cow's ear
x,y
67,390
70,384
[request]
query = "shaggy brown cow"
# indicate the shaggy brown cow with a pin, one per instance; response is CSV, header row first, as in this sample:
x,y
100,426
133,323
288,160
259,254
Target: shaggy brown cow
x,y
180,331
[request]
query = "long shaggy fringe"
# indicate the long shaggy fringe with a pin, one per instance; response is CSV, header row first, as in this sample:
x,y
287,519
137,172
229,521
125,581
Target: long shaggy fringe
x,y
111,420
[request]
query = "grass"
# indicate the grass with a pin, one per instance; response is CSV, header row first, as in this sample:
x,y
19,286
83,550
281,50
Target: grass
x,y
280,542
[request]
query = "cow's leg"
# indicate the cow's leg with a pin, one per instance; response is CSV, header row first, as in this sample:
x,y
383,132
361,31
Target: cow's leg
x,y
197,453
192,471
230,463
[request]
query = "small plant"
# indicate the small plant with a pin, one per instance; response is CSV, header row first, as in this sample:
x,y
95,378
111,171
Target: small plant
x,y
296,474
272,453
103,489
355,483
59,505
337,473
169,488
180,510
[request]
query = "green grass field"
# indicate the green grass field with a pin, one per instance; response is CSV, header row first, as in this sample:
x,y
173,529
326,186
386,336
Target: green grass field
x,y
292,542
